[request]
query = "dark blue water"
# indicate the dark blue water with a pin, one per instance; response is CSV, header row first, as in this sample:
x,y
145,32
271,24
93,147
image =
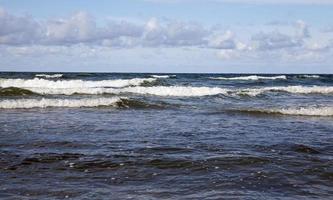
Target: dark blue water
x,y
181,136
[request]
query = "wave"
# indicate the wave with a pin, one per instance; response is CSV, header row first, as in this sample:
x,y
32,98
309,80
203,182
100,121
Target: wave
x,y
309,76
13,91
43,83
180,91
162,76
251,78
49,75
70,103
289,89
302,111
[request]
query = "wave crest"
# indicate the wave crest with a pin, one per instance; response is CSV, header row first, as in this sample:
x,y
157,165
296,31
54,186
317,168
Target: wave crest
x,y
289,89
43,83
49,75
180,91
162,76
250,78
70,103
302,111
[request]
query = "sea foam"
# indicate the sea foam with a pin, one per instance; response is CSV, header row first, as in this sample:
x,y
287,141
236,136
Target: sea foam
x,y
162,76
54,84
181,91
71,103
49,75
250,78
290,89
302,111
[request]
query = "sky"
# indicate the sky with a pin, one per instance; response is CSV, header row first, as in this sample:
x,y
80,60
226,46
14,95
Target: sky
x,y
179,36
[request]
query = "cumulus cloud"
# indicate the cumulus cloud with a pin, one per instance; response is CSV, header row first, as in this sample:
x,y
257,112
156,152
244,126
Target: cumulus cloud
x,y
16,30
24,35
81,28
275,40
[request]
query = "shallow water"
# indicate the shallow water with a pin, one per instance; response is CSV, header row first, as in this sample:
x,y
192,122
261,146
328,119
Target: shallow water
x,y
188,136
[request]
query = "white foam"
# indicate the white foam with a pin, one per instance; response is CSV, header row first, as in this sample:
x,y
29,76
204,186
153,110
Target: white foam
x,y
71,103
305,111
43,83
161,76
290,89
250,78
180,91
184,91
309,76
49,75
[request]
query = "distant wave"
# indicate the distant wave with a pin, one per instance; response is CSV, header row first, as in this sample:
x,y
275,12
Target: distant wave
x,y
250,78
289,89
163,76
180,91
303,111
309,76
70,103
55,84
49,75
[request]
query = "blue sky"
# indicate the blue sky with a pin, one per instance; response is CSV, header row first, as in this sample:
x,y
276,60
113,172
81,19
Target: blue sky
x,y
241,36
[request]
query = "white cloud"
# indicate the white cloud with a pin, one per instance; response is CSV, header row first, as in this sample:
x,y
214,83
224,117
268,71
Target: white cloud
x,y
79,35
16,30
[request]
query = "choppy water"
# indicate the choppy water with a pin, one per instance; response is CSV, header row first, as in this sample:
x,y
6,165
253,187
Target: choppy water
x,y
165,136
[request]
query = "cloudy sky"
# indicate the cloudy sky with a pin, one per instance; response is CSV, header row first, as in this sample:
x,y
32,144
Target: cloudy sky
x,y
241,36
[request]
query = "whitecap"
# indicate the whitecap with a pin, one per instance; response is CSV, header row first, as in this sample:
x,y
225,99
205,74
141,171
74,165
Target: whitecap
x,y
250,78
290,89
302,111
49,75
180,91
162,76
70,103
310,76
54,84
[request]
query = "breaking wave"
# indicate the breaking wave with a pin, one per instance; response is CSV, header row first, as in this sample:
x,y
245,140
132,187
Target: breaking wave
x,y
303,111
70,103
43,83
290,89
49,75
162,76
309,76
13,91
178,91
251,78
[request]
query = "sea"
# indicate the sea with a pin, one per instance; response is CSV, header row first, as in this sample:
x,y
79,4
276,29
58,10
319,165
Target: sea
x,y
166,136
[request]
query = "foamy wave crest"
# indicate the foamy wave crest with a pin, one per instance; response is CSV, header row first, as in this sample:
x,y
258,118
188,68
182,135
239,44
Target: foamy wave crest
x,y
302,111
180,91
250,78
289,89
70,103
43,83
162,76
314,111
183,91
49,75
309,76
